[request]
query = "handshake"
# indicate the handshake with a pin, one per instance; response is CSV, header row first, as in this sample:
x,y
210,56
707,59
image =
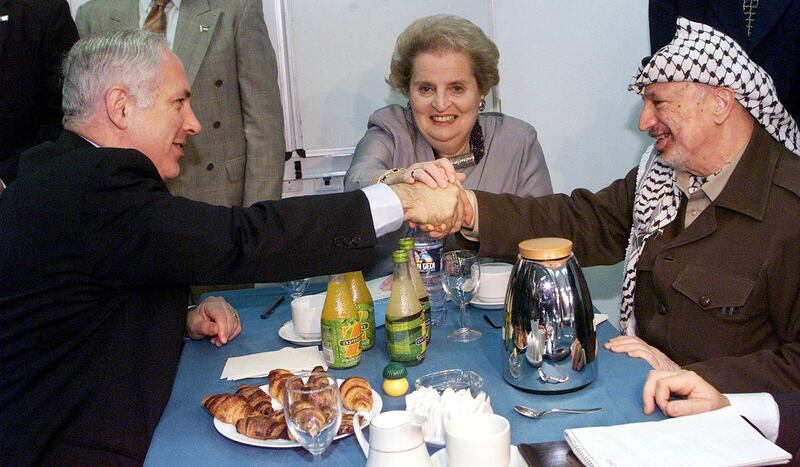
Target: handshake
x,y
438,205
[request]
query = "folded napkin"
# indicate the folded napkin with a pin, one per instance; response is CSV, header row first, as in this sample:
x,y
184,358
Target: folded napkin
x,y
260,364
599,318
719,438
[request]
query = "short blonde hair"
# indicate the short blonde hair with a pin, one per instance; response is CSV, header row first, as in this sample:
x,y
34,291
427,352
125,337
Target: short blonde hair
x,y
444,33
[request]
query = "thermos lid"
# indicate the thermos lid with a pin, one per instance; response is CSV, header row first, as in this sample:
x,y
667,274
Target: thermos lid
x,y
545,248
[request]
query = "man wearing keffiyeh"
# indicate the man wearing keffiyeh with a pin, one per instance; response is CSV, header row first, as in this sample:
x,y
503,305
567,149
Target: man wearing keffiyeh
x,y
708,223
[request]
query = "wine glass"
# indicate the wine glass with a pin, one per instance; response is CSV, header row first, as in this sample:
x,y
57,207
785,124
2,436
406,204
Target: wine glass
x,y
313,410
461,274
295,288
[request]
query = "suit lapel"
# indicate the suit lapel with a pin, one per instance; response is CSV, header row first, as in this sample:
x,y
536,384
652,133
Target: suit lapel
x,y
767,14
122,15
196,24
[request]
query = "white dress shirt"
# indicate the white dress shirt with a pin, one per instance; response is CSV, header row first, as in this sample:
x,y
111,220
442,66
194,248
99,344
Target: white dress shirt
x,y
761,409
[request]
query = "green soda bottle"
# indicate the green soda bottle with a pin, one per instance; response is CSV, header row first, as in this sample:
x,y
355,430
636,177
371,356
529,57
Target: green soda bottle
x,y
406,337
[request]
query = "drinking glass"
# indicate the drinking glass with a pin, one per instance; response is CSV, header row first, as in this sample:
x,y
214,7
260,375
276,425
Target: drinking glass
x,y
313,411
296,287
461,274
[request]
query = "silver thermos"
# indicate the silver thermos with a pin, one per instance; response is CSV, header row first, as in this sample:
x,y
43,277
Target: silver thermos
x,y
549,339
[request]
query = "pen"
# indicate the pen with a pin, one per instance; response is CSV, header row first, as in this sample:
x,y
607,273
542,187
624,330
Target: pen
x,y
268,310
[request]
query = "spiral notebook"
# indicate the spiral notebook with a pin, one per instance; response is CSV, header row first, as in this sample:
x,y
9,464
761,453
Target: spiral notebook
x,y
718,438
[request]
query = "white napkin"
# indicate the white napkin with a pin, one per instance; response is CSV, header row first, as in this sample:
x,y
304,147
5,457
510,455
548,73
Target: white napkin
x,y
260,364
721,438
599,318
374,287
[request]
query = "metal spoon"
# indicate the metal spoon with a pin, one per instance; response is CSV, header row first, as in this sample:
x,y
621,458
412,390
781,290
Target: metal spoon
x,y
530,413
545,378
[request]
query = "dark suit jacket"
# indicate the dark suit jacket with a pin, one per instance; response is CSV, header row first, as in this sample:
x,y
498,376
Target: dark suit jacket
x,y
789,433
96,257
33,42
774,42
721,297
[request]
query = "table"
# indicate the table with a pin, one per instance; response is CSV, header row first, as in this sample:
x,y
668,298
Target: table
x,y
186,434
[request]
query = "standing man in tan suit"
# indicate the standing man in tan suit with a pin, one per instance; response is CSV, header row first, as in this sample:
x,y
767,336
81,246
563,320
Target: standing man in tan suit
x,y
224,46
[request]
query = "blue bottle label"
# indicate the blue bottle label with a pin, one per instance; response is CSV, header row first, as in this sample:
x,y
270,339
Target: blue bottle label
x,y
429,260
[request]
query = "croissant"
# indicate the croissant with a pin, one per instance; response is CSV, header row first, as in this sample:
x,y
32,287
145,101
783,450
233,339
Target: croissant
x,y
318,380
346,427
356,394
262,427
277,381
228,408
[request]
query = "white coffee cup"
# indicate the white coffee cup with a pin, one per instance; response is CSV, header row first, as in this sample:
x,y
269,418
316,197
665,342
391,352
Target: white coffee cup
x,y
493,283
478,439
306,315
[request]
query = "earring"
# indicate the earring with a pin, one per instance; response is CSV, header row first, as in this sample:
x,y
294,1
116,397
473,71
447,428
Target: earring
x,y
482,105
408,105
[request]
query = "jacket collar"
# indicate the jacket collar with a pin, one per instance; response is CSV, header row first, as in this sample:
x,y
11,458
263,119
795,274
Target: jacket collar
x,y
747,191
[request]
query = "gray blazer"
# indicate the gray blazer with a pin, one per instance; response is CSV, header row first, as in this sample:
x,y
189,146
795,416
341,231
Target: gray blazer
x,y
513,162
238,157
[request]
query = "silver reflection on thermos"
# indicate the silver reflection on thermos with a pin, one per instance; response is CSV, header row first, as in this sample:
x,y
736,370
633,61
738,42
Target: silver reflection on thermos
x,y
549,339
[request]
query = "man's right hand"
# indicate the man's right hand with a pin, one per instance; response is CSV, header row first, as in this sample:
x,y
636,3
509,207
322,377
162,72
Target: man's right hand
x,y
438,211
698,395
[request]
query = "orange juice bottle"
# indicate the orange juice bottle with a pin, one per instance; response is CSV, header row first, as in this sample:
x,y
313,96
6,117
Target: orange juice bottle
x,y
364,305
341,326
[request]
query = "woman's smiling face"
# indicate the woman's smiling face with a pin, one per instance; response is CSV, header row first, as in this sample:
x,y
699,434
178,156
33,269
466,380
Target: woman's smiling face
x,y
444,99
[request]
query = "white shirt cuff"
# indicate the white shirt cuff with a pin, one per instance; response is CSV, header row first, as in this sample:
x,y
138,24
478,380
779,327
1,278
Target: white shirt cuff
x,y
761,409
386,208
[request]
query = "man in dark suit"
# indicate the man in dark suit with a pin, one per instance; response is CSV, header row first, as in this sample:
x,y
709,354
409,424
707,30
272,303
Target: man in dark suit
x,y
768,31
97,256
34,37
698,396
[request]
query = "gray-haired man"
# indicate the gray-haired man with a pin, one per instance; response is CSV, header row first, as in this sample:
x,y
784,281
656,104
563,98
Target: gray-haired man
x,y
97,261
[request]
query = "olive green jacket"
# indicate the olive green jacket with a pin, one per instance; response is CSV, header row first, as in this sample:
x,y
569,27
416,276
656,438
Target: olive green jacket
x,y
720,297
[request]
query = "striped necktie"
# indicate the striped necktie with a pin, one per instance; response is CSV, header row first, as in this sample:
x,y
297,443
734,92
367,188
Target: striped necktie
x,y
156,20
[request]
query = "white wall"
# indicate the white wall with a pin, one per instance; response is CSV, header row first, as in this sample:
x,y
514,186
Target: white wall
x,y
565,67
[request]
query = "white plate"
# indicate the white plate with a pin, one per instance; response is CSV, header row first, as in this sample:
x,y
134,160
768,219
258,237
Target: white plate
x,y
229,431
288,334
439,458
493,305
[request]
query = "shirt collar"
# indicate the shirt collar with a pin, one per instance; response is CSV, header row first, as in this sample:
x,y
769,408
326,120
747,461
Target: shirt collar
x,y
146,5
714,183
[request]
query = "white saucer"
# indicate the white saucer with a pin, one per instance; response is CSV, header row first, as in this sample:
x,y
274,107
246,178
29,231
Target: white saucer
x,y
439,458
491,305
288,333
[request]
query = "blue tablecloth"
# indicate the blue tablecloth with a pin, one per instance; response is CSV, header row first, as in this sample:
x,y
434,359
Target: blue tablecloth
x,y
186,434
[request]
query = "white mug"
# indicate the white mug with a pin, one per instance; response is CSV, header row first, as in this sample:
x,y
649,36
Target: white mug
x,y
306,315
478,439
494,281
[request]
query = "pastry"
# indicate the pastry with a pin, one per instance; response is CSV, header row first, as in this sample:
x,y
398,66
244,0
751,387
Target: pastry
x,y
277,383
263,427
228,408
356,394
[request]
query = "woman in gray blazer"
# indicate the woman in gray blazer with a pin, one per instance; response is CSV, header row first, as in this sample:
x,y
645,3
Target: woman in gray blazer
x,y
446,65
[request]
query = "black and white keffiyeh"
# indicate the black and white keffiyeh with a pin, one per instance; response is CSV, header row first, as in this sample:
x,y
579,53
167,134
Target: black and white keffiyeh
x,y
701,54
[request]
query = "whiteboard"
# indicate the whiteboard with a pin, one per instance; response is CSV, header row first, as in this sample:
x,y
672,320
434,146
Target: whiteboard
x,y
341,50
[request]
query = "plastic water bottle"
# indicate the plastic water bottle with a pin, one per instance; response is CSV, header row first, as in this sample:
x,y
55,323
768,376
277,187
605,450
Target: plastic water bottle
x,y
428,256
